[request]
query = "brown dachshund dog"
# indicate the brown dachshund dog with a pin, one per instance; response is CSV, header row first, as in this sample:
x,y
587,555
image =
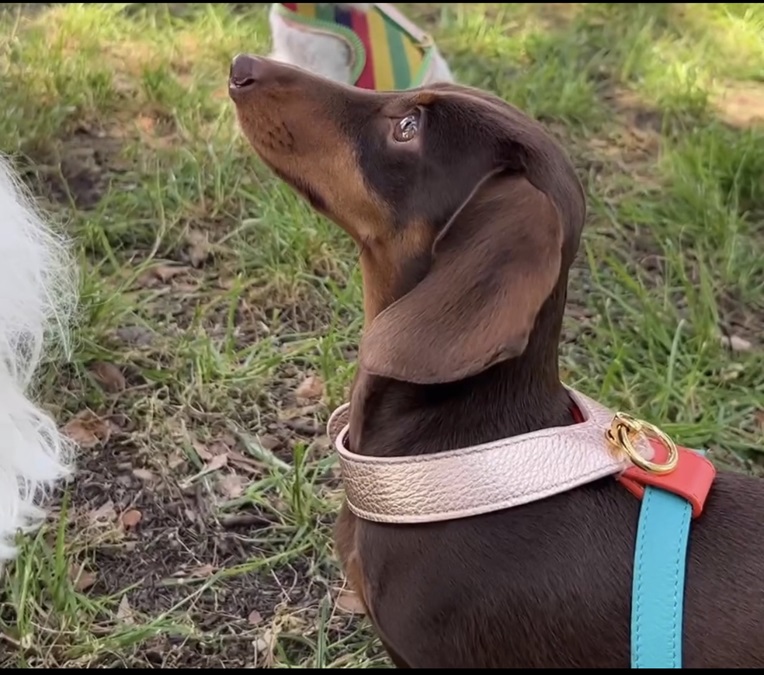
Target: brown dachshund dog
x,y
468,216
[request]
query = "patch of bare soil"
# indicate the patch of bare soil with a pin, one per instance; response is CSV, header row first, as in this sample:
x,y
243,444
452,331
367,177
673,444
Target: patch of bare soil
x,y
741,104
79,170
165,526
166,544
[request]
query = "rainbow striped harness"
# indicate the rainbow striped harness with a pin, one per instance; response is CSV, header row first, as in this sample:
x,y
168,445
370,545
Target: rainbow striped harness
x,y
388,51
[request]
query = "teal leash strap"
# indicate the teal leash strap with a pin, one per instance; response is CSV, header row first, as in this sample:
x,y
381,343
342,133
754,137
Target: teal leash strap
x,y
660,561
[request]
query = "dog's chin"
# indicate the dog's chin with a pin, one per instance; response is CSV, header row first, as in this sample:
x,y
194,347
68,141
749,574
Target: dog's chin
x,y
301,187
309,194
264,151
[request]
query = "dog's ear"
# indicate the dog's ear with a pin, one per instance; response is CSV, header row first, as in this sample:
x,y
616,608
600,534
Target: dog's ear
x,y
494,265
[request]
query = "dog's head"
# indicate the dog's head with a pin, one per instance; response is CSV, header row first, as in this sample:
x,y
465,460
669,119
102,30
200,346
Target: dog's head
x,y
467,212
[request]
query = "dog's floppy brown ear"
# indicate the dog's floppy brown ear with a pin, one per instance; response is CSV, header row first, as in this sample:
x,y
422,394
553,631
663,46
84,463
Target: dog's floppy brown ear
x,y
494,265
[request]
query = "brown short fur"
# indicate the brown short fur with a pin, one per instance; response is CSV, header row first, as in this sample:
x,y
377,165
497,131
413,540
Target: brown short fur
x,y
467,232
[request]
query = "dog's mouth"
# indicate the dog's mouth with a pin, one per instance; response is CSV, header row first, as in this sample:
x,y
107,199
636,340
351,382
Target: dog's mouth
x,y
239,83
243,74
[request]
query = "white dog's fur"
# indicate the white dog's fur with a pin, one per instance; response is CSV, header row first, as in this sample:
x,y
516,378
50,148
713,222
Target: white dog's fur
x,y
37,295
328,55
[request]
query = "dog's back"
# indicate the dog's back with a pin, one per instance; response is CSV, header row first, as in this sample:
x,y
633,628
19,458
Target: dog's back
x,y
38,292
549,584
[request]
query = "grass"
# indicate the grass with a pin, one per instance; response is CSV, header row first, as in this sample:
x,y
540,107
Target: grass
x,y
198,530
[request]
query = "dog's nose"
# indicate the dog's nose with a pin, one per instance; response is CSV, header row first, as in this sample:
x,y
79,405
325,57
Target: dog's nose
x,y
245,73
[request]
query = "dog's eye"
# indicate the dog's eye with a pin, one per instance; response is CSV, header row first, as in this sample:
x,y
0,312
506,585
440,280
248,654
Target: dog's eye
x,y
406,128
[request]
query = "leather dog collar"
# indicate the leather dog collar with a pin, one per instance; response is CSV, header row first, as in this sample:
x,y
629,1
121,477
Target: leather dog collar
x,y
673,483
482,478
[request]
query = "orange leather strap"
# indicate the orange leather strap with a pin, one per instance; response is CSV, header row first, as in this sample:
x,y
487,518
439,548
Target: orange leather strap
x,y
692,478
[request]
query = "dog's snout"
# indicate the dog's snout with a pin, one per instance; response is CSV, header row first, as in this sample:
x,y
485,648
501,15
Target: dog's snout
x,y
246,71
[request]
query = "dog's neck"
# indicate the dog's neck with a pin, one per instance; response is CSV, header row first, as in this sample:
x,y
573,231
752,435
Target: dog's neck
x,y
394,418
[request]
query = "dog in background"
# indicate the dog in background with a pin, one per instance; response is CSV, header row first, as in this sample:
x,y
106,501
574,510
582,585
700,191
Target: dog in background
x,y
38,295
370,45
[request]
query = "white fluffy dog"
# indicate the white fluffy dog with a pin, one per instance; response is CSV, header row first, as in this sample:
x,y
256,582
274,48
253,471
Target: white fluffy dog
x,y
333,52
37,295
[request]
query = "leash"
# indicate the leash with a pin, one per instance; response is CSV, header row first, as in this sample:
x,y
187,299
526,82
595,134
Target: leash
x,y
658,585
673,489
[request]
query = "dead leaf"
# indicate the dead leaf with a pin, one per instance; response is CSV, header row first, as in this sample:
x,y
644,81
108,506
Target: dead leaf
x,y
131,518
81,578
135,336
231,486
198,247
227,283
736,343
207,451
161,274
217,462
311,388
304,411
244,463
87,429
265,645
124,611
204,454
201,572
218,447
758,416
144,475
269,442
109,376
305,427
176,459
349,601
255,617
104,513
